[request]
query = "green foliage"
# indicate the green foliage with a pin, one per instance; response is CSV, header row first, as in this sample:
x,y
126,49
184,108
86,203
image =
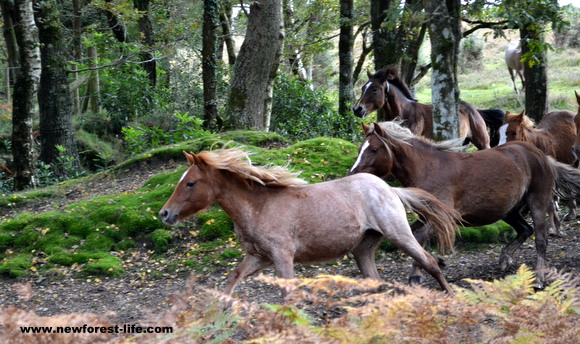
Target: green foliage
x,y
301,113
142,138
108,265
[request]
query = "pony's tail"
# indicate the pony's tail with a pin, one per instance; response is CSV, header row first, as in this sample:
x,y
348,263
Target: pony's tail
x,y
567,180
441,218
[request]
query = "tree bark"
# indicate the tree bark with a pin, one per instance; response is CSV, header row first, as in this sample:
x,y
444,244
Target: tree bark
x,y
445,33
77,52
536,102
209,61
226,20
250,98
149,63
11,44
25,91
54,100
345,56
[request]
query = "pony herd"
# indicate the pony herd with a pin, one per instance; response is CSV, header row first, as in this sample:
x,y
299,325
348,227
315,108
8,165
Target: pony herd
x,y
280,220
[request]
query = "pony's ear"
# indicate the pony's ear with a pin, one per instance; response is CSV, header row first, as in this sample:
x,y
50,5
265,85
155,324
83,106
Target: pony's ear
x,y
577,98
191,158
369,74
378,129
365,127
520,117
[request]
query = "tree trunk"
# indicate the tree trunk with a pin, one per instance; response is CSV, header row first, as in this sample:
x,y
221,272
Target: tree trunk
x,y
250,98
209,61
11,44
25,87
92,98
445,33
149,63
77,52
536,102
382,40
345,56
226,20
54,100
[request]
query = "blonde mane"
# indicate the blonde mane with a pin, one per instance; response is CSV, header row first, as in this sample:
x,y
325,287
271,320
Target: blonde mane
x,y
237,162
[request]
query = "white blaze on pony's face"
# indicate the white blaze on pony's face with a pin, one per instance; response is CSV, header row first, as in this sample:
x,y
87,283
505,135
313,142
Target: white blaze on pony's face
x,y
364,147
502,134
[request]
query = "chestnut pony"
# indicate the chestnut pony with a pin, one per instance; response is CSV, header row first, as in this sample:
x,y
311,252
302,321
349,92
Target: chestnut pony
x,y
387,91
279,221
576,146
554,135
483,186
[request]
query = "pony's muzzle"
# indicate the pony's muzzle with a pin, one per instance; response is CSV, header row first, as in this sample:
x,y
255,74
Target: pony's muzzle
x,y
168,217
358,110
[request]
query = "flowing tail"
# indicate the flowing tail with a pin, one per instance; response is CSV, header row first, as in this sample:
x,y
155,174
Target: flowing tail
x,y
439,217
567,180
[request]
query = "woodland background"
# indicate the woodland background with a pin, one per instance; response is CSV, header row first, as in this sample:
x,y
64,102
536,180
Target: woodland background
x,y
88,83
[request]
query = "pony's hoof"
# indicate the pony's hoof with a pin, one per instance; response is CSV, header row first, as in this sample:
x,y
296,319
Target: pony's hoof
x,y
441,263
504,262
416,280
555,234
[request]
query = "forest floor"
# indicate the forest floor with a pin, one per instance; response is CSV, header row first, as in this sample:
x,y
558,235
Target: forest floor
x,y
139,298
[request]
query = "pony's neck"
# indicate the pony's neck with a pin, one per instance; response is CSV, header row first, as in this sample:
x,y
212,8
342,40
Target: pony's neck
x,y
411,162
239,198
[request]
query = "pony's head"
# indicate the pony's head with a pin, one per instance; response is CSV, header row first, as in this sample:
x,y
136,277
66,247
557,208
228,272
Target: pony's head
x,y
193,193
375,156
373,95
515,127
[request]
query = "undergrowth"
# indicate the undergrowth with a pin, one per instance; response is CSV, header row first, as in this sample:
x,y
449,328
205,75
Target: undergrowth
x,y
336,309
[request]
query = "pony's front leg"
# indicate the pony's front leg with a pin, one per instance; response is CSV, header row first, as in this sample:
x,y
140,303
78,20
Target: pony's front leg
x,y
249,266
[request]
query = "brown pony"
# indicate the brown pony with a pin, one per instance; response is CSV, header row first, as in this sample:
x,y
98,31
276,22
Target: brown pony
x,y
554,135
387,91
576,146
279,221
483,186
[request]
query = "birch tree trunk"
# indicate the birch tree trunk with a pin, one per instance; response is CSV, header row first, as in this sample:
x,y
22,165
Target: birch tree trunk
x,y
250,98
445,33
25,91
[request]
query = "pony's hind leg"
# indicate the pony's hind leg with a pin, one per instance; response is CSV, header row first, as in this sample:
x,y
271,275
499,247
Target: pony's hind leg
x,y
364,254
523,231
538,213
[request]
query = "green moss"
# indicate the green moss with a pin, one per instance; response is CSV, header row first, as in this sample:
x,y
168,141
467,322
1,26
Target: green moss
x,y
16,266
108,265
161,240
6,240
215,224
494,233
70,258
230,253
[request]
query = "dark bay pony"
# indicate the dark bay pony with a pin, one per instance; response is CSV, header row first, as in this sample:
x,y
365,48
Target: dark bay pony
x,y
576,146
554,135
387,91
513,56
483,186
279,221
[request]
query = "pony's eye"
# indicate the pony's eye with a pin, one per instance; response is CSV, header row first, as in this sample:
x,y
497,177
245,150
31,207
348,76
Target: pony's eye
x,y
190,184
374,149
